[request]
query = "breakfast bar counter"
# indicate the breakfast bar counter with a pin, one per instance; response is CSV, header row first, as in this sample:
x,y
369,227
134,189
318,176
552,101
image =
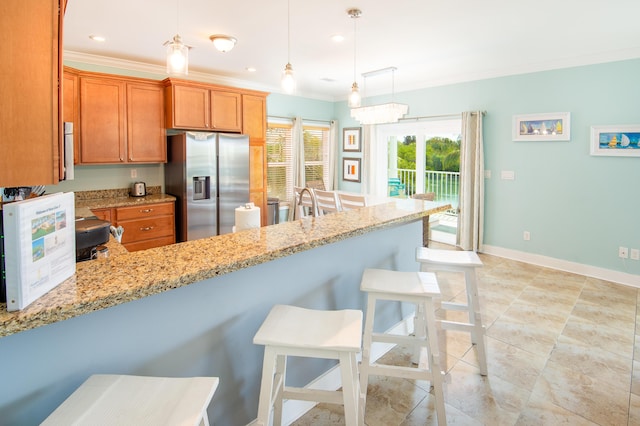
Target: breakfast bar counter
x,y
191,309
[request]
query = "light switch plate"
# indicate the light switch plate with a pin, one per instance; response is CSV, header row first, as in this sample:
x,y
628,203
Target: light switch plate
x,y
507,175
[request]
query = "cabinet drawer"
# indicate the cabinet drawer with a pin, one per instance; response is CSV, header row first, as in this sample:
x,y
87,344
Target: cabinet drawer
x,y
147,210
147,244
146,229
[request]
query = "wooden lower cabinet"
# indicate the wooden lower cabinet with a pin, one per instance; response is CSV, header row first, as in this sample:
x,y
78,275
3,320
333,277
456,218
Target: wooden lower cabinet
x,y
146,226
102,214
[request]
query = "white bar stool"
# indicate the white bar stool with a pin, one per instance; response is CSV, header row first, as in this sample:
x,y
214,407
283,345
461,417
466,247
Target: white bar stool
x,y
109,399
420,288
294,331
466,262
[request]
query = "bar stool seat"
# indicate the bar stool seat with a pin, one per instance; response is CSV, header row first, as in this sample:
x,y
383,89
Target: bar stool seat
x,y
420,288
109,399
294,331
466,262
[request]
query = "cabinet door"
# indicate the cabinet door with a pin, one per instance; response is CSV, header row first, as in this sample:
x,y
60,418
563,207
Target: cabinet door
x,y
102,120
226,111
145,124
190,107
29,104
102,214
71,109
254,124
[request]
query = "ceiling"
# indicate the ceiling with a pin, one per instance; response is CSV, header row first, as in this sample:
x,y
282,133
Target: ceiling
x,y
430,43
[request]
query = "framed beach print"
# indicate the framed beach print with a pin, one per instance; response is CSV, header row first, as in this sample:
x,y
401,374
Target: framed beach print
x,y
554,126
616,140
351,169
351,139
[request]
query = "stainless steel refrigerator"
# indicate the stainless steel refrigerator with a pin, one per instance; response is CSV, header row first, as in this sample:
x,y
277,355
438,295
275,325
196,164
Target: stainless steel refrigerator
x,y
208,173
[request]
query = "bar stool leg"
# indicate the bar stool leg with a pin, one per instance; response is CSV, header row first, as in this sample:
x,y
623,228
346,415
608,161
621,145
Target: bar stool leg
x,y
366,354
350,392
266,386
475,319
434,360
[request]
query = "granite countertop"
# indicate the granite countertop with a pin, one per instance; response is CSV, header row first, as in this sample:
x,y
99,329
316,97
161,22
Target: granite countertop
x,y
117,279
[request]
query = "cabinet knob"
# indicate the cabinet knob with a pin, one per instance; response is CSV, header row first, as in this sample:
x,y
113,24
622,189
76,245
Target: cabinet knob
x,y
146,210
146,228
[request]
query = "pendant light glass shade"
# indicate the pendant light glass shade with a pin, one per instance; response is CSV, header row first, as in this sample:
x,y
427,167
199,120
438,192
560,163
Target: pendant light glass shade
x,y
177,56
288,81
355,100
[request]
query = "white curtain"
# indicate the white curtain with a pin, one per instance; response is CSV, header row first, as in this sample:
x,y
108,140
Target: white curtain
x,y
297,155
374,157
333,155
471,210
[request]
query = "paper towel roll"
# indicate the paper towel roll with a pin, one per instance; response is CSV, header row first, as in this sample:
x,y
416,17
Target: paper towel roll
x,y
247,218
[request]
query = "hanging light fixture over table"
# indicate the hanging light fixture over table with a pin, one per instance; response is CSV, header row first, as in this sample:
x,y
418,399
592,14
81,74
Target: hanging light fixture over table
x,y
177,52
354,97
389,112
288,82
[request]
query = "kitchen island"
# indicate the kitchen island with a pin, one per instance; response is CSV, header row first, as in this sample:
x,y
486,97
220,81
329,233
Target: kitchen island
x,y
193,308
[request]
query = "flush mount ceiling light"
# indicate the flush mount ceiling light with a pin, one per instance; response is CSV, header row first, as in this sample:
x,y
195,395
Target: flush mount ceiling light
x,y
389,112
288,82
223,43
177,52
354,97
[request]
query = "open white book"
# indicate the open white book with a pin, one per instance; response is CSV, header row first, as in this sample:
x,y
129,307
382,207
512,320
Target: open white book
x,y
40,246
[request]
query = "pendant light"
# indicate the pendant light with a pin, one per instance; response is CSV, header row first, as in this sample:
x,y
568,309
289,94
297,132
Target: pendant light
x,y
177,52
354,97
288,82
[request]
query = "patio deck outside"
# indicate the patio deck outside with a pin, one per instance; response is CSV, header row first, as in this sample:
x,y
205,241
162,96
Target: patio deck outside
x,y
446,185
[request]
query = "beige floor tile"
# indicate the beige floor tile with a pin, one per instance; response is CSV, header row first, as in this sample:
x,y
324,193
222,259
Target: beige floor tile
x,y
620,341
616,315
597,401
539,411
634,410
524,336
635,378
593,362
489,400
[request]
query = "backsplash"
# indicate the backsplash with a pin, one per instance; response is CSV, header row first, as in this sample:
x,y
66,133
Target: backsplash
x,y
112,193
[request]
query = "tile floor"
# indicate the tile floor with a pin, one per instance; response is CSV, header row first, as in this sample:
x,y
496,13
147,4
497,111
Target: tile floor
x,y
562,349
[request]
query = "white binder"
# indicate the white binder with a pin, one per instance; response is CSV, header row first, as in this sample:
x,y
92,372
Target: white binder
x,y
40,246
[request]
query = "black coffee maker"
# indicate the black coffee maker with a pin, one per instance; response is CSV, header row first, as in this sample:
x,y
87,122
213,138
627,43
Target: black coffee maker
x,y
90,234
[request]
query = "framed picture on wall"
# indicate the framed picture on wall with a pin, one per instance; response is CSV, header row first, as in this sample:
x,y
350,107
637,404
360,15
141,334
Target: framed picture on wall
x,y
351,139
616,141
554,126
351,169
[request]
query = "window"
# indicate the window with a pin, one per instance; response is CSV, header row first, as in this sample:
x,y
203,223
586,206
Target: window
x,y
280,160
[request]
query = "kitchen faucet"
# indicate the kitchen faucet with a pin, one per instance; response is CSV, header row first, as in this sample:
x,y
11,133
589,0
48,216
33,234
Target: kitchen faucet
x,y
313,200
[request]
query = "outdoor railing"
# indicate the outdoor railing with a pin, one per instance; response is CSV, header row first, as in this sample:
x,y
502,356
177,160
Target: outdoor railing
x,y
446,185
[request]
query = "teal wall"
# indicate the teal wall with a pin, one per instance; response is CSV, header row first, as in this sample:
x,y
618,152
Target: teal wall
x,y
578,208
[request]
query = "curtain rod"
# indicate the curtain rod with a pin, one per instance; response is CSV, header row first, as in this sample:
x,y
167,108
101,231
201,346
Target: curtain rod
x,y
438,116
303,119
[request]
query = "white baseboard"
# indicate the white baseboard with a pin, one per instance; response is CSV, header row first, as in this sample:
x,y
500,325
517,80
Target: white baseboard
x,y
292,410
563,265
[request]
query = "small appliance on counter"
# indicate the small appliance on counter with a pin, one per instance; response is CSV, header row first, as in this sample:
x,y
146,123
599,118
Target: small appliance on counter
x,y
138,189
90,234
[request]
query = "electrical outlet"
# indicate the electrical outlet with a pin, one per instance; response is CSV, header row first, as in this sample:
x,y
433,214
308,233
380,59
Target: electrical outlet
x,y
635,254
623,252
134,173
526,235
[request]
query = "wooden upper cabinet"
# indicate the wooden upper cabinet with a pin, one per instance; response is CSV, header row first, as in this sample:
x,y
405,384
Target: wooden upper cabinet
x,y
71,108
30,101
102,120
254,112
226,111
146,137
187,107
121,120
194,106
